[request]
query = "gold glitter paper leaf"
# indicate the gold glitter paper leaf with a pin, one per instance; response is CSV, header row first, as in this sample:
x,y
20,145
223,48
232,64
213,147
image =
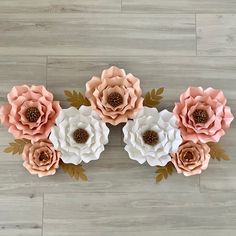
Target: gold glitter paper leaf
x,y
153,98
217,152
76,99
74,171
164,171
17,146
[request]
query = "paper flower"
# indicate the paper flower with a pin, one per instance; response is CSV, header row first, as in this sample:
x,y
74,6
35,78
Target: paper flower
x,y
31,112
152,136
80,135
116,97
202,114
40,158
191,158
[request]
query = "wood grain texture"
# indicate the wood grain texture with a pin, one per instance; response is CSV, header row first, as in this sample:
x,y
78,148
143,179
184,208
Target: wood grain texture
x,y
183,6
59,6
170,43
173,73
101,213
97,34
21,214
114,172
216,34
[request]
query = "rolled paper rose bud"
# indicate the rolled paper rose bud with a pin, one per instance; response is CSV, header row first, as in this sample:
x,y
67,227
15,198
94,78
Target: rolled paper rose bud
x,y
31,112
41,158
116,96
202,115
191,158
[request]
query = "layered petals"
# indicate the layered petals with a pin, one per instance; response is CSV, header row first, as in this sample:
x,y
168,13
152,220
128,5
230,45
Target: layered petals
x,y
41,158
202,115
191,158
152,136
80,135
116,97
31,112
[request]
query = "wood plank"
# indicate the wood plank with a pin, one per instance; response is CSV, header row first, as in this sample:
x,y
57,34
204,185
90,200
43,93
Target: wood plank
x,y
138,213
216,34
173,73
183,6
220,176
61,6
97,34
113,172
21,214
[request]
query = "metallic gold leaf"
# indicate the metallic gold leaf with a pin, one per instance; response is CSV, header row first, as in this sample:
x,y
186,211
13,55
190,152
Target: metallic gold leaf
x,y
153,98
17,146
217,152
164,171
76,99
75,171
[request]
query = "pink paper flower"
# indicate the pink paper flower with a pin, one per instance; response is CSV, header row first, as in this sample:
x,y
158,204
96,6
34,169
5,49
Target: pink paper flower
x,y
191,158
202,115
31,112
115,96
41,158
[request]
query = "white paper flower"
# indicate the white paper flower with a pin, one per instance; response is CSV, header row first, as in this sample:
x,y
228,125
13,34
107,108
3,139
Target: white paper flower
x,y
80,135
152,136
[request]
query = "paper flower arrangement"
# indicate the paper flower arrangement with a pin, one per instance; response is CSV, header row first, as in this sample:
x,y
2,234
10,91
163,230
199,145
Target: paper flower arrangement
x,y
49,137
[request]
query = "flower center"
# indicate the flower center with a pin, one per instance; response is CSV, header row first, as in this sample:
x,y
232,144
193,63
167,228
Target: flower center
x,y
188,157
80,136
32,114
43,157
150,137
200,116
114,99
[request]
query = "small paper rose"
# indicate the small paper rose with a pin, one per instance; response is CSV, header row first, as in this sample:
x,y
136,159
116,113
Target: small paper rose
x,y
152,136
80,135
31,112
202,115
116,97
191,158
40,158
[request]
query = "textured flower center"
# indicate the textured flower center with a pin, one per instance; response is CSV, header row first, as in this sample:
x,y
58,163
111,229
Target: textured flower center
x,y
200,116
44,157
150,137
32,114
81,136
114,99
188,156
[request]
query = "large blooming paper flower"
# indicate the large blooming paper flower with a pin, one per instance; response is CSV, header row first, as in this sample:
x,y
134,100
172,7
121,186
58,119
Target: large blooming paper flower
x,y
80,135
31,112
152,136
191,158
40,158
115,96
202,114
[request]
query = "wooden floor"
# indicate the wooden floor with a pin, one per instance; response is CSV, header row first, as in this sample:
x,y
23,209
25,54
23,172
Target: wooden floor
x,y
169,43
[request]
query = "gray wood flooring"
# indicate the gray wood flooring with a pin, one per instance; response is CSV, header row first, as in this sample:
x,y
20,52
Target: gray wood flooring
x,y
169,43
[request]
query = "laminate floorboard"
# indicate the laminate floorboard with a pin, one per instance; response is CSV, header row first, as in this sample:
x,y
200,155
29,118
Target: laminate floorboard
x,y
172,44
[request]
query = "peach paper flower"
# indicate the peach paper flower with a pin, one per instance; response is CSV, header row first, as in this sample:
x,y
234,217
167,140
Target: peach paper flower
x,y
41,158
202,115
191,158
31,112
115,96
